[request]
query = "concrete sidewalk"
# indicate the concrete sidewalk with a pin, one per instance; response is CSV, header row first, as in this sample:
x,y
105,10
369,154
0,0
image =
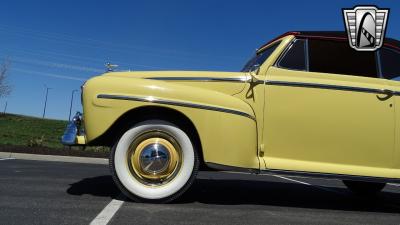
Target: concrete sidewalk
x,y
54,158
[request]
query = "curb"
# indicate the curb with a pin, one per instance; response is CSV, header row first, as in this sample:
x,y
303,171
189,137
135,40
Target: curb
x,y
54,158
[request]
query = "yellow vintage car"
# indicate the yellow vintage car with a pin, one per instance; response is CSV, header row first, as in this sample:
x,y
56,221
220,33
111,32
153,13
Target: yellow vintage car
x,y
306,104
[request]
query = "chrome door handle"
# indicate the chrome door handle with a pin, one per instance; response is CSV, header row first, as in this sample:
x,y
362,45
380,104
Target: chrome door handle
x,y
387,92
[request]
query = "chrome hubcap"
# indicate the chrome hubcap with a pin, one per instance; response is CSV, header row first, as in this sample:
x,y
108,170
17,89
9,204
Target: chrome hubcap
x,y
154,158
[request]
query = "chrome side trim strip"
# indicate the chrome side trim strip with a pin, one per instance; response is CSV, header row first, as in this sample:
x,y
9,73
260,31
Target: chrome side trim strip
x,y
226,79
174,103
326,86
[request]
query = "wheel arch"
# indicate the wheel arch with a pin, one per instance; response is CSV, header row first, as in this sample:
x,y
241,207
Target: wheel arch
x,y
140,114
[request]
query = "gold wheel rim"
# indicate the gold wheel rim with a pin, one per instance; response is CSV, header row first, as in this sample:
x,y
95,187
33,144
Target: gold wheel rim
x,y
154,158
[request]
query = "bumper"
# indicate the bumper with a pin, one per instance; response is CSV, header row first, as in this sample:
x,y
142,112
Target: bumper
x,y
73,134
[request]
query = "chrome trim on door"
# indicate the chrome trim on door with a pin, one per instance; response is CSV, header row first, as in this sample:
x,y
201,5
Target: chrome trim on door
x,y
329,86
174,103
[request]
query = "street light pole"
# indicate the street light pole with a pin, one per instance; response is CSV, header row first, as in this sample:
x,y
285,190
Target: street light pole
x,y
45,101
70,106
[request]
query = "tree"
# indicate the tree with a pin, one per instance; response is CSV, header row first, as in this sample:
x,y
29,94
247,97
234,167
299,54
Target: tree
x,y
5,88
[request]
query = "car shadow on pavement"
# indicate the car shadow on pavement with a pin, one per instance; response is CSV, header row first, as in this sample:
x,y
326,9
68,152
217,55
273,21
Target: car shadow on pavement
x,y
102,186
283,194
261,193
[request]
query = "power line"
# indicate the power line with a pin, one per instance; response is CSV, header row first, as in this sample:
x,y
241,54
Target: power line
x,y
48,74
99,44
57,64
45,54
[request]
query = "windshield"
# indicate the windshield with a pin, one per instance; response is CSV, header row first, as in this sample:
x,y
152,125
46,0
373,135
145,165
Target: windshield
x,y
260,57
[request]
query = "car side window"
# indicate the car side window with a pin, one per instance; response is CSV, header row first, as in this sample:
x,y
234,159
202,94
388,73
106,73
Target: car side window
x,y
330,56
260,57
295,56
390,63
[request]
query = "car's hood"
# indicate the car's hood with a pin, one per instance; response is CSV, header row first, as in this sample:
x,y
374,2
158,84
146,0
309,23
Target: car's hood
x,y
226,82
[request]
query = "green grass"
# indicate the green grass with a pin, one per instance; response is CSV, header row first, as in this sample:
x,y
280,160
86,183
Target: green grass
x,y
24,130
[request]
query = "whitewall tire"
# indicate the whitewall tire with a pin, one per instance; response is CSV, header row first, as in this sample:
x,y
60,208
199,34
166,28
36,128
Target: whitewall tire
x,y
154,161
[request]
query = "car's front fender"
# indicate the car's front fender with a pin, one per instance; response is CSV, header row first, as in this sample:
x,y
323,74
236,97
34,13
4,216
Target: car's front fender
x,y
226,125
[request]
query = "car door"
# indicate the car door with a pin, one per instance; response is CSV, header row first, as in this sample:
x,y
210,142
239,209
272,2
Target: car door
x,y
327,111
389,60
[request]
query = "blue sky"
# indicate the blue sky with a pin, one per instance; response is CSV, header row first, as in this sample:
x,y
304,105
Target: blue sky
x,y
62,43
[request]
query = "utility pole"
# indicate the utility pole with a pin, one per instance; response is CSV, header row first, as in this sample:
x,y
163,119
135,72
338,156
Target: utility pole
x,y
5,108
70,106
45,101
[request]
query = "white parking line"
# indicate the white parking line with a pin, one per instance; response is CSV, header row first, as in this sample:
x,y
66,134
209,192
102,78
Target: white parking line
x,y
6,159
397,185
107,213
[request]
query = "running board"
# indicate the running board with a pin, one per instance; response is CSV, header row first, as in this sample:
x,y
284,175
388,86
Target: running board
x,y
293,173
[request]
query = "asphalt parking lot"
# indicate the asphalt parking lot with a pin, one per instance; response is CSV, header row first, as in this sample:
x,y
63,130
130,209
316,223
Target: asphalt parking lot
x,y
41,192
